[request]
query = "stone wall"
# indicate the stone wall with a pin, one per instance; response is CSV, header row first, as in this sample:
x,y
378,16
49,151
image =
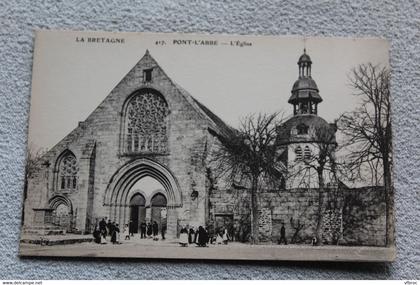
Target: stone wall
x,y
353,216
364,216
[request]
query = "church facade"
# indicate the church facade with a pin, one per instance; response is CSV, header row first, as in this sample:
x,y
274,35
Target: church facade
x,y
148,126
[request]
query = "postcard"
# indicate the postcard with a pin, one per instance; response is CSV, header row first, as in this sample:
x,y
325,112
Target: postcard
x,y
190,146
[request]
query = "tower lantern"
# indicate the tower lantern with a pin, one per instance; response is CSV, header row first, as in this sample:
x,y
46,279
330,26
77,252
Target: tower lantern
x,y
304,65
305,94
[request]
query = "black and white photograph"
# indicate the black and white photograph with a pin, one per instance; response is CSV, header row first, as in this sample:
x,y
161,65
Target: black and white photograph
x,y
220,147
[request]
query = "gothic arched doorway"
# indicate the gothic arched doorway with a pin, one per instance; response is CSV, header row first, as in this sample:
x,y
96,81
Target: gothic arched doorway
x,y
137,211
62,214
158,210
123,185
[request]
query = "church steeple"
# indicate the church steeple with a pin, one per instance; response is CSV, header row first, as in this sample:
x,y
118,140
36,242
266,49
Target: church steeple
x,y
305,94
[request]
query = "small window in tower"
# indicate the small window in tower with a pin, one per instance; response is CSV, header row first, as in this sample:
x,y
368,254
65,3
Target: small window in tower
x,y
147,75
298,153
307,153
302,129
304,108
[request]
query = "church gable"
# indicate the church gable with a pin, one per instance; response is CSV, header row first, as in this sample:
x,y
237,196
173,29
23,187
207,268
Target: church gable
x,y
150,85
147,77
175,122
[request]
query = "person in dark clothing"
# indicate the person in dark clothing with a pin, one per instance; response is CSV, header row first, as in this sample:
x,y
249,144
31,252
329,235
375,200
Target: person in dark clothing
x,y
191,235
115,236
208,236
97,234
155,229
203,237
163,231
235,235
149,230
102,227
282,234
102,224
130,228
143,227
111,229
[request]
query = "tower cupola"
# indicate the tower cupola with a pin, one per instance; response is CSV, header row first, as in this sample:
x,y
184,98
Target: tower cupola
x,y
305,94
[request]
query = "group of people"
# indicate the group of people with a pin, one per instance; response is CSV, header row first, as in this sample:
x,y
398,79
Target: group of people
x,y
148,230
188,235
201,236
106,229
111,230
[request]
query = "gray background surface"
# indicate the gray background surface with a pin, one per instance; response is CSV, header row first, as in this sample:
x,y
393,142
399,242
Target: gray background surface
x,y
398,21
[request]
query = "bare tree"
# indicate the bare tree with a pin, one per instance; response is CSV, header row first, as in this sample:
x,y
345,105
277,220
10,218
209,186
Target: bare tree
x,y
250,156
321,159
32,165
297,226
368,135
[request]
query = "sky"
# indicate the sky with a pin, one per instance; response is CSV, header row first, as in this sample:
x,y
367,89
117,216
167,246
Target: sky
x,y
71,78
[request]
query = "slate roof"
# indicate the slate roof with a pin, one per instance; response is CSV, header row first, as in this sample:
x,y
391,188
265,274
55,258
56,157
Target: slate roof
x,y
305,88
219,126
313,121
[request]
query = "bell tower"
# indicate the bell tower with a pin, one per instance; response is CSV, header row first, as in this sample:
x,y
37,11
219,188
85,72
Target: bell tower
x,y
305,94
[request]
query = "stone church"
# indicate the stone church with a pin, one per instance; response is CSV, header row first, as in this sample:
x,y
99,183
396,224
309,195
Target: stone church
x,y
150,127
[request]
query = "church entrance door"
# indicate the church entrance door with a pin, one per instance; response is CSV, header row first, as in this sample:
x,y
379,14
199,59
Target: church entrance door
x,y
137,212
158,204
147,178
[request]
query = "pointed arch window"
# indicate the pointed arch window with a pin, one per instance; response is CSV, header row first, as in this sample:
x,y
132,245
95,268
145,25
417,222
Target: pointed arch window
x,y
67,176
298,153
146,123
307,153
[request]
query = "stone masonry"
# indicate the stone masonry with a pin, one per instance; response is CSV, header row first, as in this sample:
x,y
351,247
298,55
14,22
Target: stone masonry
x,y
97,145
358,218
